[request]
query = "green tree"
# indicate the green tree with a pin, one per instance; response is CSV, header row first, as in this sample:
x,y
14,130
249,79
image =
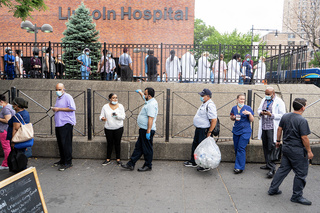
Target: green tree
x,y
23,8
202,31
315,62
80,33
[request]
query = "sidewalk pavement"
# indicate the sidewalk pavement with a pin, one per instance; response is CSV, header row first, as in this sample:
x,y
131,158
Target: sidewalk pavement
x,y
170,187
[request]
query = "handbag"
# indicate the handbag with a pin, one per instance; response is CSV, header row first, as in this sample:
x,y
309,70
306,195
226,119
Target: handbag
x,y
17,161
24,133
276,153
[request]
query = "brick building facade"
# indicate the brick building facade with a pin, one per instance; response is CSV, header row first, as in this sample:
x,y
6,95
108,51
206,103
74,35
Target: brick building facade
x,y
119,21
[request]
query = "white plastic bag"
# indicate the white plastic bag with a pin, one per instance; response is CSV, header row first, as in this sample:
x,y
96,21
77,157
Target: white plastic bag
x,y
207,154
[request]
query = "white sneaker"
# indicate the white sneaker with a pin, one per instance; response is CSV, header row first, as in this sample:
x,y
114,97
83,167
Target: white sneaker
x,y
3,167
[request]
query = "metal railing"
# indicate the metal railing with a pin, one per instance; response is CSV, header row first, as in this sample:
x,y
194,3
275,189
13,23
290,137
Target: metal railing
x,y
189,63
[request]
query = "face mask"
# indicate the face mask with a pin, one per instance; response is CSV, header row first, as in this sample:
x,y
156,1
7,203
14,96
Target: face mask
x,y
36,56
114,102
59,93
268,97
47,53
248,59
1,106
240,105
87,53
59,58
108,55
259,61
201,99
10,52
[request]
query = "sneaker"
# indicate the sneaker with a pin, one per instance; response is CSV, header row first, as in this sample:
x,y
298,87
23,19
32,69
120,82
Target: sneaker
x,y
106,162
4,167
57,164
189,164
201,169
64,167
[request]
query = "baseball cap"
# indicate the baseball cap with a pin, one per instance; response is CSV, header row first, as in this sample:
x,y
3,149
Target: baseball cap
x,y
205,92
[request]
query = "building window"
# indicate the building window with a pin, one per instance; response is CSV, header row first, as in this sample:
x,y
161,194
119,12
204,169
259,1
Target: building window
x,y
290,43
291,35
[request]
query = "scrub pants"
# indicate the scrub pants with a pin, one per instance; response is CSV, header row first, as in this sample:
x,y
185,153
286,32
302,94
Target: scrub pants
x,y
143,147
268,145
295,158
85,75
6,147
240,143
199,136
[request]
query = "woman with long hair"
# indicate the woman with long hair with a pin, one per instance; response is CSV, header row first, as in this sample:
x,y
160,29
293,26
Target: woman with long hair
x,y
173,67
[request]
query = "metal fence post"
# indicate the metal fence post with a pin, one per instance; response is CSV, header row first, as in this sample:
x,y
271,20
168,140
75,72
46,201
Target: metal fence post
x,y
13,93
167,115
279,64
249,99
89,110
161,63
49,68
218,65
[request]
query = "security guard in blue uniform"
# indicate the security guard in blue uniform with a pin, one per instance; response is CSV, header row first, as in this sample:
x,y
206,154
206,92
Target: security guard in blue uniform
x,y
296,152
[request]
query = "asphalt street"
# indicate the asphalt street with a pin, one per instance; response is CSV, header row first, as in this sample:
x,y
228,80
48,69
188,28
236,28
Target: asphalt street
x,y
169,187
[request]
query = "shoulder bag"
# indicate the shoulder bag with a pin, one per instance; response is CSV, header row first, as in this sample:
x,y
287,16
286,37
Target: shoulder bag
x,y
24,133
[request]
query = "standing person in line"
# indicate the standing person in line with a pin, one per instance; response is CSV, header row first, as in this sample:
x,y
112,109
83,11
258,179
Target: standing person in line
x,y
85,61
296,151
145,62
147,124
173,67
204,68
188,63
112,67
271,109
152,63
113,115
65,119
9,64
60,67
49,74
205,121
125,64
35,64
19,64
222,72
6,112
260,71
242,115
104,70
234,69
247,66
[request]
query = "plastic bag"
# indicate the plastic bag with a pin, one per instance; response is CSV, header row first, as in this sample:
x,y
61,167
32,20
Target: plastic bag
x,y
207,154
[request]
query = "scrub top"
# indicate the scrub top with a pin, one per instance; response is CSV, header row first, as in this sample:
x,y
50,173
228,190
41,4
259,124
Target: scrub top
x,y
86,62
242,126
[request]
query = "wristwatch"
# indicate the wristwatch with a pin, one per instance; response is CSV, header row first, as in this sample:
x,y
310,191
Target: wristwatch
x,y
278,141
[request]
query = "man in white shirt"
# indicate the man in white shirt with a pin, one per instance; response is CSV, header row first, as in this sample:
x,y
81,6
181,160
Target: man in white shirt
x,y
188,63
125,64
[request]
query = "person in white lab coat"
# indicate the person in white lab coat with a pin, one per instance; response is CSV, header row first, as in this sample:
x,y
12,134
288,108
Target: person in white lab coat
x,y
234,69
188,63
260,71
204,68
173,68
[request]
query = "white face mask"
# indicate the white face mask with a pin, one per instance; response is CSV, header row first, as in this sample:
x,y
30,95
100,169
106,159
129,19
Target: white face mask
x,y
59,58
114,102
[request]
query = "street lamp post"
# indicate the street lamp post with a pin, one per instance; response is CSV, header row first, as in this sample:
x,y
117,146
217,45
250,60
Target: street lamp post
x,y
27,25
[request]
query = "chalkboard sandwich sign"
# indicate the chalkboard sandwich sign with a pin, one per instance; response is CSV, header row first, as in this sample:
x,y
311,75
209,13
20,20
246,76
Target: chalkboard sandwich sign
x,y
22,193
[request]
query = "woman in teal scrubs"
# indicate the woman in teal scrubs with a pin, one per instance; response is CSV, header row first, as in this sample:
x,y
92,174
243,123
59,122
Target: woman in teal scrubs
x,y
242,115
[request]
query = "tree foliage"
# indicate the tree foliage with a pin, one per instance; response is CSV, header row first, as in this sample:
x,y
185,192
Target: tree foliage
x,y
80,33
23,8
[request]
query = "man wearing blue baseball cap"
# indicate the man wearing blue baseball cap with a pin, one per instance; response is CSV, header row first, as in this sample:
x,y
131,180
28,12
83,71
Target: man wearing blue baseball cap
x,y
205,121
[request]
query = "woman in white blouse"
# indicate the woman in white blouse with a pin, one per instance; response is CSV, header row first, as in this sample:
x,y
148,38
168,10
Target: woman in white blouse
x,y
113,115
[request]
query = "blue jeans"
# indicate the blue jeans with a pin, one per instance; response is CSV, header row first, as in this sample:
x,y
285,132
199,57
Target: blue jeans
x,y
240,143
109,76
85,75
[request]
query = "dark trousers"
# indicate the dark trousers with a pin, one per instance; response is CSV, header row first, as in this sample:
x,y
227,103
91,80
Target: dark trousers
x,y
64,136
268,145
113,139
126,73
295,158
199,136
152,77
103,76
143,147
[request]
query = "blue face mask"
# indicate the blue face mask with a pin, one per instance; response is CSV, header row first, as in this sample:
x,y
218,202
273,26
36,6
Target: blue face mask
x,y
114,102
87,53
240,105
268,97
201,99
248,59
21,54
59,93
36,56
1,106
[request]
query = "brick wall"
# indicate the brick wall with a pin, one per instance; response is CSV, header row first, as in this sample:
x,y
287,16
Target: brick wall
x,y
111,31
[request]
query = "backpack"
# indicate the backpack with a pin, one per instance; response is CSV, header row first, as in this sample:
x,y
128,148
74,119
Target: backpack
x,y
17,161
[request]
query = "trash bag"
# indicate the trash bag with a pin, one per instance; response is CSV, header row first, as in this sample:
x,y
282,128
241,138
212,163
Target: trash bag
x,y
207,154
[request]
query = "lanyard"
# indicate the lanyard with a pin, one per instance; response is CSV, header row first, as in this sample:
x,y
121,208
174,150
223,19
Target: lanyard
x,y
268,104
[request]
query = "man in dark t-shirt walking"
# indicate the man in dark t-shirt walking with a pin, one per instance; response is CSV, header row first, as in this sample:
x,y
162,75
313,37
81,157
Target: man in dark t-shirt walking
x,y
296,151
152,63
